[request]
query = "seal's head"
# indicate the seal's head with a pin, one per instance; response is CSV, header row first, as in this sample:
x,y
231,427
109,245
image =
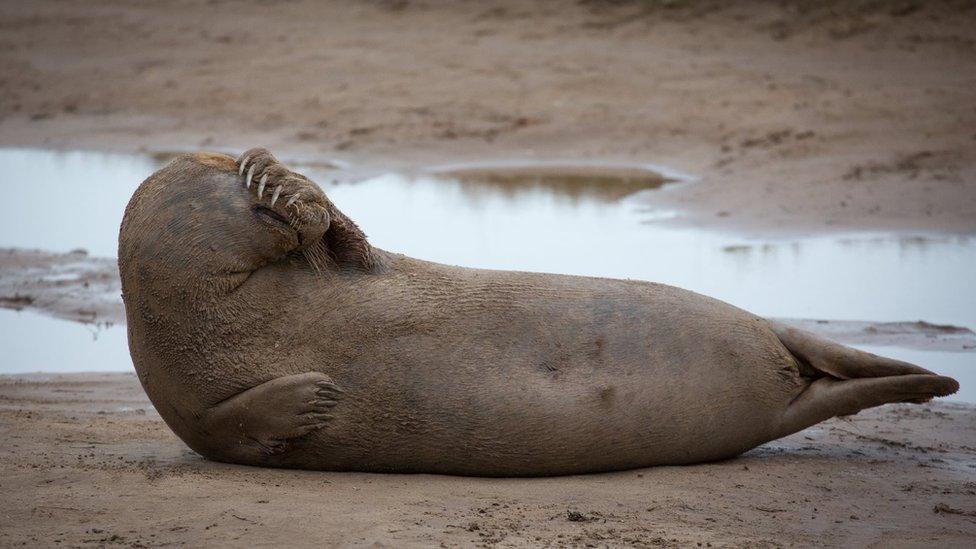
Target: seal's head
x,y
203,216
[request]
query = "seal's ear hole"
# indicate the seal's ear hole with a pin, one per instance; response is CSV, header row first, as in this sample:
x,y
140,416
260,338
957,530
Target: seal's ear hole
x,y
267,214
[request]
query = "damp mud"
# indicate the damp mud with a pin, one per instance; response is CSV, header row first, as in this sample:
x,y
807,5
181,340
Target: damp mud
x,y
71,286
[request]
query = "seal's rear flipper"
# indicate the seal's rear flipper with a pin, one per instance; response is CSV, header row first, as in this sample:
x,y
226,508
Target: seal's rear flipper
x,y
818,356
843,381
828,397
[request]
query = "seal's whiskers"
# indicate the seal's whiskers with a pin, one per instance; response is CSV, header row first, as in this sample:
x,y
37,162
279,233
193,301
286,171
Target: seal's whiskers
x,y
317,257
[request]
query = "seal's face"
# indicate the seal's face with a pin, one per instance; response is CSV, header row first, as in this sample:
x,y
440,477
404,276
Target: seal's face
x,y
211,221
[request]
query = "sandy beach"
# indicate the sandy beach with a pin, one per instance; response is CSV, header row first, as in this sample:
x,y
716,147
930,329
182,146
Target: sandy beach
x,y
105,470
790,119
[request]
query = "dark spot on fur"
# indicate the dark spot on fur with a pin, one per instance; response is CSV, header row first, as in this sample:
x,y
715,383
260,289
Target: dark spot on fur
x,y
596,351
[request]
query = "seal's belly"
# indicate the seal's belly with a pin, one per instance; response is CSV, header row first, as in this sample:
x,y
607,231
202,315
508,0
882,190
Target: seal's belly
x,y
560,401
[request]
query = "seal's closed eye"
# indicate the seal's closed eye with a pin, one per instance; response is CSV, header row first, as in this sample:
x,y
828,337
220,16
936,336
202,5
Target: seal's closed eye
x,y
270,216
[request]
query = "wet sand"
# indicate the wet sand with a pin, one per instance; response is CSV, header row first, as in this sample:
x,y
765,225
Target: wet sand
x,y
793,119
105,470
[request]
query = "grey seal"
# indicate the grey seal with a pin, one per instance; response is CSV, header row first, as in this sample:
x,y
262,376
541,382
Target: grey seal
x,y
267,331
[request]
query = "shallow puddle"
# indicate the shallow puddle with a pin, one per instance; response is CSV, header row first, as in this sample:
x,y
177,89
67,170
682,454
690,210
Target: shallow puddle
x,y
32,342
68,200
598,224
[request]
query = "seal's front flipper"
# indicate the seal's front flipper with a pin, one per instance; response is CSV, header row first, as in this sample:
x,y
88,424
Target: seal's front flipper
x,y
327,238
282,199
263,419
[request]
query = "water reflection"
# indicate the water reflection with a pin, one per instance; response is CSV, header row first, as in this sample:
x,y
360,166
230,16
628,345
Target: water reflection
x,y
573,182
907,245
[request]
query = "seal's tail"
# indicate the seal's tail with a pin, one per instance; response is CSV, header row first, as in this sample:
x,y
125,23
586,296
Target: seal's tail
x,y
844,381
